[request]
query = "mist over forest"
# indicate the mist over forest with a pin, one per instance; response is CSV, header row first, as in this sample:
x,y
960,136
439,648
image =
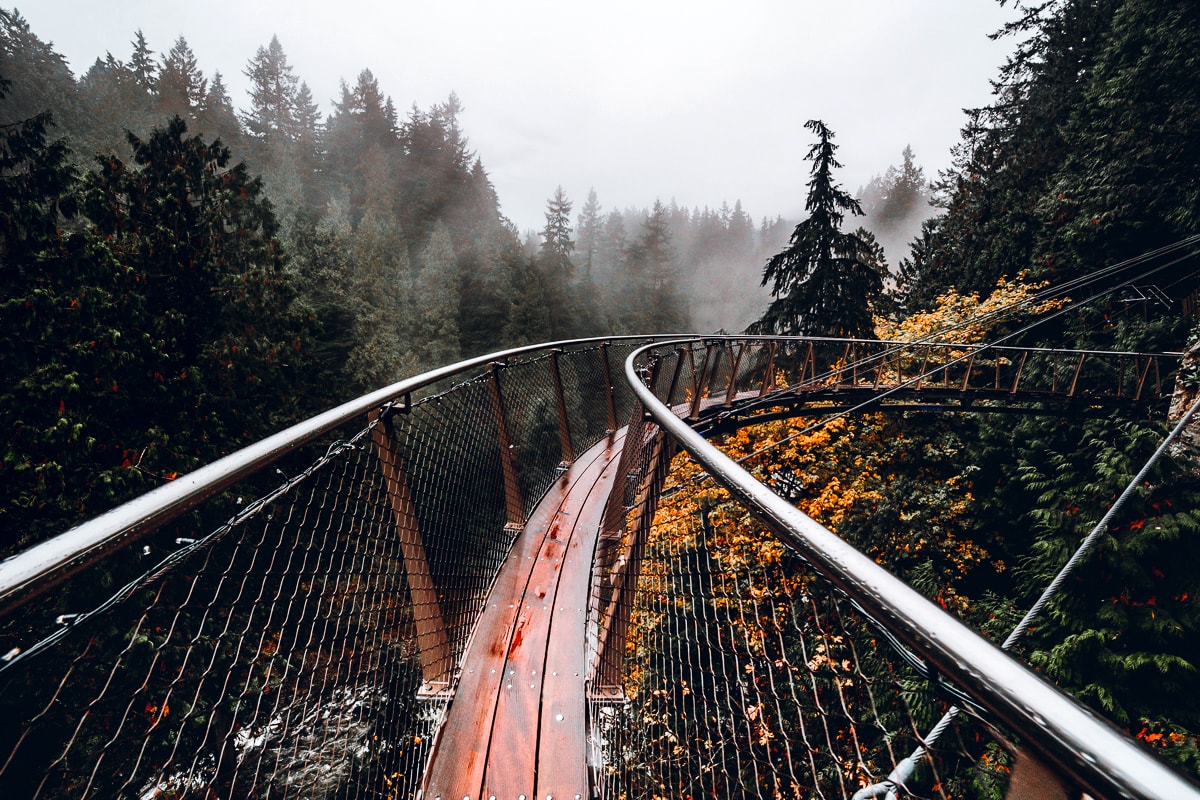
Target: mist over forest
x,y
318,170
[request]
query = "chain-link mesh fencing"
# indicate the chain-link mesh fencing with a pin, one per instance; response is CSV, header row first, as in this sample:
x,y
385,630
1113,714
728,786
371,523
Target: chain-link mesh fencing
x,y
304,644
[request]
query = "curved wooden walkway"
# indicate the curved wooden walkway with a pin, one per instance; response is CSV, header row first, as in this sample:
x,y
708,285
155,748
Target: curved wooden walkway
x,y
516,728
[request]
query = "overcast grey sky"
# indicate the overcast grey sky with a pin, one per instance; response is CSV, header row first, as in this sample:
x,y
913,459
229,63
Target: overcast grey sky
x,y
698,101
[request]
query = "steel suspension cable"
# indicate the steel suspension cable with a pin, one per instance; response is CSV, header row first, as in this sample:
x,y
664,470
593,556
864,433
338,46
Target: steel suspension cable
x,y
1045,295
904,770
874,399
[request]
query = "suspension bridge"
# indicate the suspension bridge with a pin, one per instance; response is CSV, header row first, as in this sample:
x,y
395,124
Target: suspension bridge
x,y
457,587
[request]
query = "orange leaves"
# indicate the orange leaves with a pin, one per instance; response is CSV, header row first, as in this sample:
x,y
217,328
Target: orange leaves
x,y
155,714
967,319
1151,735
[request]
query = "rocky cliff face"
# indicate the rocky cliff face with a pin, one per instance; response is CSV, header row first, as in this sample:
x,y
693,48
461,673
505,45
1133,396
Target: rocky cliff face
x,y
1187,390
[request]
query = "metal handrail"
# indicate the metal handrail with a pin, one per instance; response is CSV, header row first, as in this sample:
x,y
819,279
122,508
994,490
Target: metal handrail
x,y
1094,754
48,563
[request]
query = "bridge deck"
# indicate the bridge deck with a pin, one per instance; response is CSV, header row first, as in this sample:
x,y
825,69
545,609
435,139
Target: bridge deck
x,y
516,726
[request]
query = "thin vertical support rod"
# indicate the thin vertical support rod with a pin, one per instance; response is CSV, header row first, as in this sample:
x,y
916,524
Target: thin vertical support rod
x,y
924,364
564,424
841,366
967,375
610,390
733,371
768,381
513,503
1142,378
433,646
679,353
700,383
1075,378
1020,368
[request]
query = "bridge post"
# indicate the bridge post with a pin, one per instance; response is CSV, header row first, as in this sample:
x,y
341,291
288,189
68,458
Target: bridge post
x,y
971,365
432,644
841,366
1145,371
734,366
700,381
610,391
809,360
768,381
924,366
1020,368
564,424
513,502
679,353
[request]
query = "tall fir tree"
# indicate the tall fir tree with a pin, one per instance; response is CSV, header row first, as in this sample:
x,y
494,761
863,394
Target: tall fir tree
x,y
272,116
181,85
589,227
826,283
557,268
141,62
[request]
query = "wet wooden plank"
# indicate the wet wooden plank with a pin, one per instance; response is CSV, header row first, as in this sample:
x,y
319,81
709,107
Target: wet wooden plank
x,y
514,758
563,725
511,631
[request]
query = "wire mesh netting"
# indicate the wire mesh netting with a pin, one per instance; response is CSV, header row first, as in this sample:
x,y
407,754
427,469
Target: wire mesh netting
x,y
273,655
306,644
725,666
303,644
744,675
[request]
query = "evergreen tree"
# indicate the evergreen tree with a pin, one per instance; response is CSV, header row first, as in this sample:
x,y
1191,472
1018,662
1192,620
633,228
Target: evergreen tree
x,y
826,283
436,174
40,80
380,281
215,118
273,96
141,62
45,443
651,299
589,228
1011,150
115,102
528,319
554,262
147,339
1130,181
181,86
362,130
433,331
213,354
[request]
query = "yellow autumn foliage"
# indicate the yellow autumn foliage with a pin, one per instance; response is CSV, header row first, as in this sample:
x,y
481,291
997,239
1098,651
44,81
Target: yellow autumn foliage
x,y
968,319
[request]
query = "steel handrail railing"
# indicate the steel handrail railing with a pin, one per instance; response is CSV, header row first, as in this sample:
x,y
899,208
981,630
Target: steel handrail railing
x,y
44,565
1092,753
